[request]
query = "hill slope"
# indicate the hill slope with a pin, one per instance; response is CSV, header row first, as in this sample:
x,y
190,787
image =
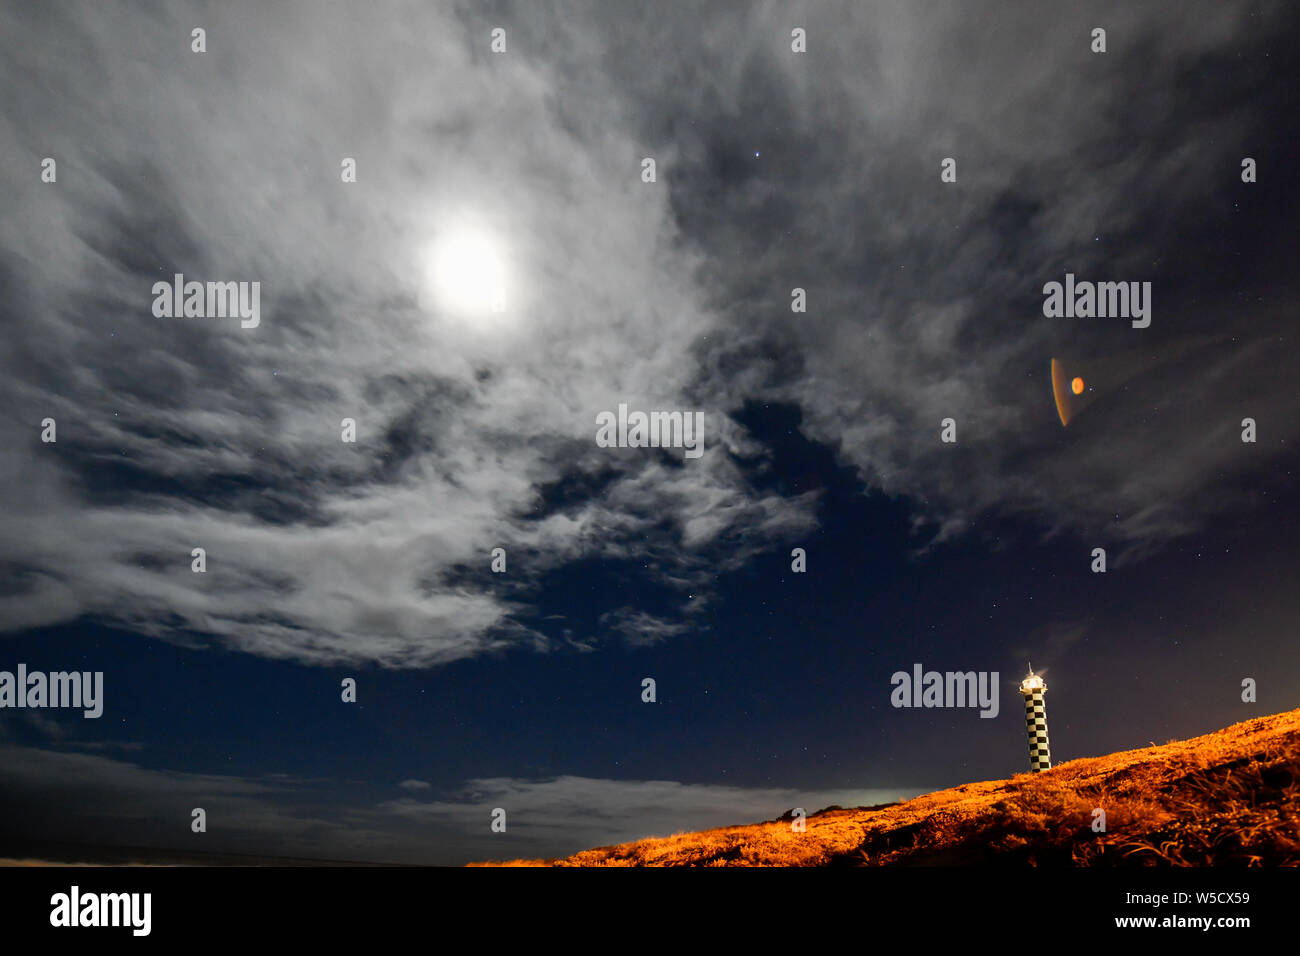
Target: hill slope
x,y
1230,797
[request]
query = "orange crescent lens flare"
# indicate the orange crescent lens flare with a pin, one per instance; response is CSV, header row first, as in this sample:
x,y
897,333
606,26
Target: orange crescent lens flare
x,y
1079,382
1060,391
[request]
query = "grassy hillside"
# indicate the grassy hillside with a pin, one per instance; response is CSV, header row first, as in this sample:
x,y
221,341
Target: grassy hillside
x,y
1230,797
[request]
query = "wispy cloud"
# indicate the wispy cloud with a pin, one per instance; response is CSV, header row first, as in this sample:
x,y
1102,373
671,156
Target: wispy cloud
x,y
184,433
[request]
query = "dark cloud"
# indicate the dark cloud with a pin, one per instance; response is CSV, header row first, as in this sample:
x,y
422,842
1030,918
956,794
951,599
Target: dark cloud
x,y
92,801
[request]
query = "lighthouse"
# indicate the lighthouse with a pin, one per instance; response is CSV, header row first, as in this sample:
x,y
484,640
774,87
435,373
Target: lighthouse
x,y
1034,688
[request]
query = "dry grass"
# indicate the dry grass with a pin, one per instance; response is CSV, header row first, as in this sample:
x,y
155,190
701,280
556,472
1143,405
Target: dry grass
x,y
1228,798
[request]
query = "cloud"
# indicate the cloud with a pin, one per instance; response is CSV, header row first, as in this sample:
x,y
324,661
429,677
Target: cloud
x,y
568,813
78,799
74,797
184,433
1051,643
638,628
924,300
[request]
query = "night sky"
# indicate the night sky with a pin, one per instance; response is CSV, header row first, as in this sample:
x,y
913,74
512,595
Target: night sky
x,y
476,429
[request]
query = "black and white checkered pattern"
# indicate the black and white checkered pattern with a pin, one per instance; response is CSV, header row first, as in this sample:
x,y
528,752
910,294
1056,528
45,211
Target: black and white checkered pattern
x,y
1040,757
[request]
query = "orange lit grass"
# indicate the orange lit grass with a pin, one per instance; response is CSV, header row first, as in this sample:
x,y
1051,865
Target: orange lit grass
x,y
1230,797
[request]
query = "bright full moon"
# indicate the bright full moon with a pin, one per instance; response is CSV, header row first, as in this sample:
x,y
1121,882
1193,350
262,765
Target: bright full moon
x,y
466,274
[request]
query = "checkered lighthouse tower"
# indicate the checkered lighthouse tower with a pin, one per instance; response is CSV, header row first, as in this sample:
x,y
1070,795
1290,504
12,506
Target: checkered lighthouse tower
x,y
1034,688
